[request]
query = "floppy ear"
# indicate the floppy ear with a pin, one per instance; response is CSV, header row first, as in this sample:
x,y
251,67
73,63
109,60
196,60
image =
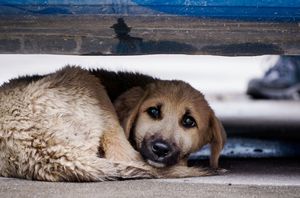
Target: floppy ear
x,y
217,141
127,106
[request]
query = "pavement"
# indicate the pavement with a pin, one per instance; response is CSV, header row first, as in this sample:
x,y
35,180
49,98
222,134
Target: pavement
x,y
246,178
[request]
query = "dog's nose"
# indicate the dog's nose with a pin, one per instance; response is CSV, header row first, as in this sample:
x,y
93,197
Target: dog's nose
x,y
161,149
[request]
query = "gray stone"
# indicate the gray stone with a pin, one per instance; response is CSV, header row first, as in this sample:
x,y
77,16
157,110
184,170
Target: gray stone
x,y
9,45
156,34
50,44
97,45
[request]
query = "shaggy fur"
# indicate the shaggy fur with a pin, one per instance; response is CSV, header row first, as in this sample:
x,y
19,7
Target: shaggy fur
x,y
64,126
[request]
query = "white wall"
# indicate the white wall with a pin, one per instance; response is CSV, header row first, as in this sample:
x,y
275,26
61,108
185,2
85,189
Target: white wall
x,y
210,74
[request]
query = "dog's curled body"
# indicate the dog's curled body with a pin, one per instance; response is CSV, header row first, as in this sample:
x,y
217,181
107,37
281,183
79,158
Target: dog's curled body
x,y
76,125
54,128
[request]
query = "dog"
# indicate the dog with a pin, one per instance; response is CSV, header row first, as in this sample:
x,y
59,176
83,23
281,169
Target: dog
x,y
166,121
95,125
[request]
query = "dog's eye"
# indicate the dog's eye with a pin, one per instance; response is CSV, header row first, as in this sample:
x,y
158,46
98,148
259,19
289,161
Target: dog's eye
x,y
188,121
154,112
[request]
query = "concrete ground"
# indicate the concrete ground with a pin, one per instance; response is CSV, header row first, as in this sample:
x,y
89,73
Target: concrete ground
x,y
246,178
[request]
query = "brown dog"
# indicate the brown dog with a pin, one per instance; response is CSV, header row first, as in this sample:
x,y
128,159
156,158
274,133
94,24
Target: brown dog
x,y
64,127
166,121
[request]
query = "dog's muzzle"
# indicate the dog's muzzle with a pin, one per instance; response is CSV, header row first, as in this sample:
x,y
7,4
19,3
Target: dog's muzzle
x,y
159,153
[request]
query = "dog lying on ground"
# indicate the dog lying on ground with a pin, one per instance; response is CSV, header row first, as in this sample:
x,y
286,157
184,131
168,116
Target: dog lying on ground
x,y
77,125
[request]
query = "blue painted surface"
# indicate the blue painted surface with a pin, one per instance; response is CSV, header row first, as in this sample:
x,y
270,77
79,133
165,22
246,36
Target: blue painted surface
x,y
280,10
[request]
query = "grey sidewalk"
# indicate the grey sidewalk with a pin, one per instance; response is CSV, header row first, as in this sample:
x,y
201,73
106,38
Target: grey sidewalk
x,y
247,178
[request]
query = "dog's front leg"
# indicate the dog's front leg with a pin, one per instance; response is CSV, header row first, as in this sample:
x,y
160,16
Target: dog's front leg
x,y
184,171
181,170
183,162
116,147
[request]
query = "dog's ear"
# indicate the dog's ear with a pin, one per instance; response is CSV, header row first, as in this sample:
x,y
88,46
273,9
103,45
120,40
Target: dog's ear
x,y
127,106
217,140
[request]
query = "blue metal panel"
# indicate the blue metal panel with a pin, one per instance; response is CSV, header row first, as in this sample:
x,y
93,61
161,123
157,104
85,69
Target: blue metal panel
x,y
233,9
279,10
231,3
204,3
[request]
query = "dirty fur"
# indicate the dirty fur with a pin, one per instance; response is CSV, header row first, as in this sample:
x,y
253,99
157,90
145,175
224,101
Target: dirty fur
x,y
74,125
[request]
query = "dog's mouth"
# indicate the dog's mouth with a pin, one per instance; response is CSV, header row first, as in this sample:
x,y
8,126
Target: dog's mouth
x,y
156,164
159,153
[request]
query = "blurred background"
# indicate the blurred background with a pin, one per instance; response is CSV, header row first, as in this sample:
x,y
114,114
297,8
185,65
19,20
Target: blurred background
x,y
210,74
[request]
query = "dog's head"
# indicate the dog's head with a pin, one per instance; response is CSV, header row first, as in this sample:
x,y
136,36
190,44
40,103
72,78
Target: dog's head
x,y
168,120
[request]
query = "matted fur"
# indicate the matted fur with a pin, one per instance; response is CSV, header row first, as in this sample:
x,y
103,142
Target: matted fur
x,y
52,129
64,127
